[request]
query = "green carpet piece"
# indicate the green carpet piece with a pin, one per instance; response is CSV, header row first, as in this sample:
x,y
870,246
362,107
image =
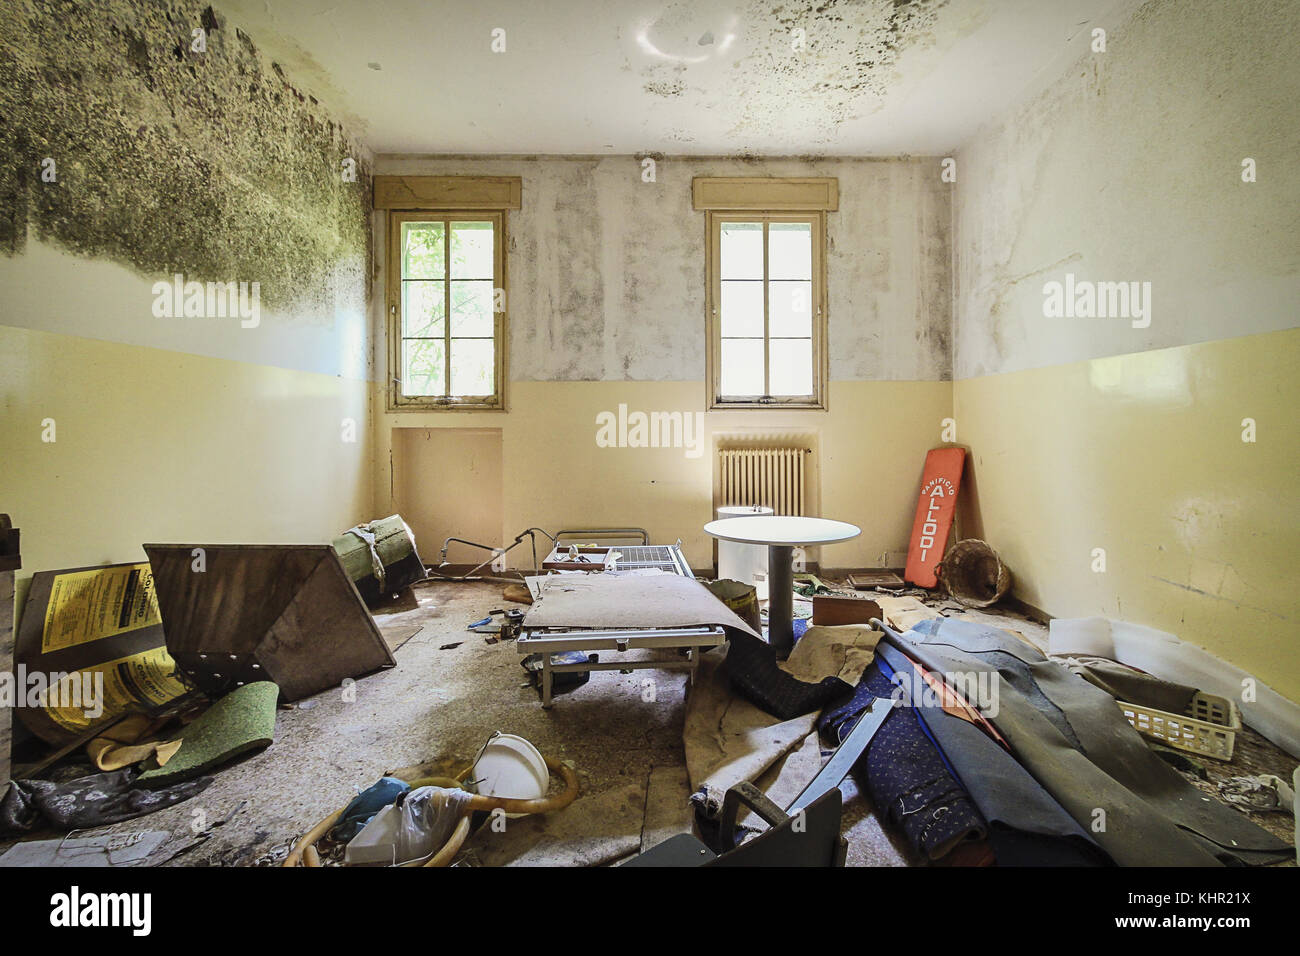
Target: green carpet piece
x,y
241,721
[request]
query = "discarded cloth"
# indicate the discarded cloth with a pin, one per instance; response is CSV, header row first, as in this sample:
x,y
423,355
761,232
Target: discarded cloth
x,y
1130,684
843,651
1258,794
365,805
86,802
1026,826
752,667
129,742
1074,740
905,774
728,739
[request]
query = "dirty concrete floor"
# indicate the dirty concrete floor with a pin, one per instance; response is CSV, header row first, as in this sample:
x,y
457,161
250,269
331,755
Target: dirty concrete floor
x,y
443,703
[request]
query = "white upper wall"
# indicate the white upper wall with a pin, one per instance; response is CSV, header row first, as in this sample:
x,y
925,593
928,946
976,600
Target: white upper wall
x,y
606,272
1129,168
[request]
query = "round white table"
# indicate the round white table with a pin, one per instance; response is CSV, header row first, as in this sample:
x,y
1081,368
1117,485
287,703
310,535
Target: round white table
x,y
782,534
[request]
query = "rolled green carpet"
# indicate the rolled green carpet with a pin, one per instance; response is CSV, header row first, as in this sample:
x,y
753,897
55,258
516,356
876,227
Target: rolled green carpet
x,y
241,721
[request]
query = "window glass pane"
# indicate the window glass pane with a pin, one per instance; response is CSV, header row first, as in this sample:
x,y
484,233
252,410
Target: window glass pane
x,y
742,308
472,367
742,367
790,308
789,250
472,250
742,250
422,250
423,367
423,305
792,369
471,308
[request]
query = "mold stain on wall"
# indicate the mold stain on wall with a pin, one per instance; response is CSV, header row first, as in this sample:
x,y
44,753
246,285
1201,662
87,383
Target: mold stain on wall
x,y
838,57
170,159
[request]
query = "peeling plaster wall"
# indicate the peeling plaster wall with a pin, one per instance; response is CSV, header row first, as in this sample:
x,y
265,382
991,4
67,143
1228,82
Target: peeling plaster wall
x,y
606,272
1093,439
1129,168
606,307
214,165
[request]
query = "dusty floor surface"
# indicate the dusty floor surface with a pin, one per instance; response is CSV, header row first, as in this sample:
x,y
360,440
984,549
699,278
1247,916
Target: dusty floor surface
x,y
441,704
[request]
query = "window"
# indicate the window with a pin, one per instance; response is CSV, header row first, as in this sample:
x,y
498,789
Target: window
x,y
447,308
766,309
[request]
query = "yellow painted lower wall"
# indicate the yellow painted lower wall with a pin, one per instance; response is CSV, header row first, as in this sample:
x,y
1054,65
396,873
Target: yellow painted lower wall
x,y
1142,455
152,445
868,451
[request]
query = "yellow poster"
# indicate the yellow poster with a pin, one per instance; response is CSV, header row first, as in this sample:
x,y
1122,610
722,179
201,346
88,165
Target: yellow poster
x,y
92,694
88,605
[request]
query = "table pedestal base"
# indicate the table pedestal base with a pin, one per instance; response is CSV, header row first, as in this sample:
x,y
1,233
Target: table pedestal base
x,y
780,599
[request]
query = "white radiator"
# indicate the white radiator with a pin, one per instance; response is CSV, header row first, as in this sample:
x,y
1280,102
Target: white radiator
x,y
771,477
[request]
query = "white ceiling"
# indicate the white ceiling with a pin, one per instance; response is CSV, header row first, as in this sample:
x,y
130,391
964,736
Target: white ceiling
x,y
698,77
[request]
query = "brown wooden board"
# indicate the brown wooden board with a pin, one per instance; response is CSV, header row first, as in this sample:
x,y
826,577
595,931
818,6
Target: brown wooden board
x,y
878,578
832,610
286,613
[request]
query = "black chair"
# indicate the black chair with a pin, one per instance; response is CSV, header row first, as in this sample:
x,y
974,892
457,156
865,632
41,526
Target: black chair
x,y
809,838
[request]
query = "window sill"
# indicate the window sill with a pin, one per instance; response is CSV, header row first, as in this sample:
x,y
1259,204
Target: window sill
x,y
417,406
814,406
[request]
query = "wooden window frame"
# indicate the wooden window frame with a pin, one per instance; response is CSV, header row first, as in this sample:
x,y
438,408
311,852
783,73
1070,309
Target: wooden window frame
x,y
396,400
713,269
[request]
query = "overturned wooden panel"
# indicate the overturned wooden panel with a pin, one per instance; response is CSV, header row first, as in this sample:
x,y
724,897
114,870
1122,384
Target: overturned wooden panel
x,y
234,614
448,192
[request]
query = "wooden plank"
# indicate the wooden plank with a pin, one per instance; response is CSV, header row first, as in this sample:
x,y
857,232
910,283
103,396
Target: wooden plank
x,y
901,613
876,578
773,194
836,609
448,192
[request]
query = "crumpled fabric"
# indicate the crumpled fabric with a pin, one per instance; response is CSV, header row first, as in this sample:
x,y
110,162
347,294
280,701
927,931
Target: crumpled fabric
x,y
727,740
756,676
1258,794
365,805
905,774
1130,684
85,802
1152,816
131,741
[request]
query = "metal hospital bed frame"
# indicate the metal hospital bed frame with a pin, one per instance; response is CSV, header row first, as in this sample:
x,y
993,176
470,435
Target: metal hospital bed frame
x,y
689,642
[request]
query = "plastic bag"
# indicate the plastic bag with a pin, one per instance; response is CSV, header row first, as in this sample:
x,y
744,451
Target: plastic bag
x,y
428,817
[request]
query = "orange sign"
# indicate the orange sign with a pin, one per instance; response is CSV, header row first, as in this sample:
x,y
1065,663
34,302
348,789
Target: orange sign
x,y
934,510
